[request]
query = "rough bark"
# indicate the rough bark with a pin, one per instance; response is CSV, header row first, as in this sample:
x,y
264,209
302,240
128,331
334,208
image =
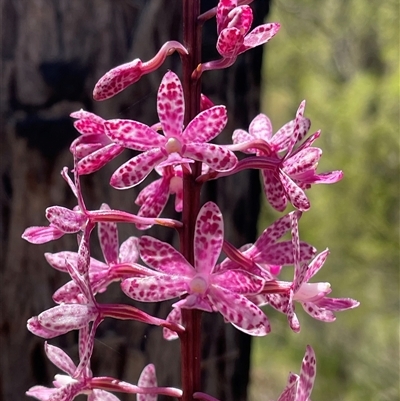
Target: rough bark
x,y
52,53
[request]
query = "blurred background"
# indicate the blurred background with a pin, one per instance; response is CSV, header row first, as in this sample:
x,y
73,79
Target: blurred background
x,y
343,58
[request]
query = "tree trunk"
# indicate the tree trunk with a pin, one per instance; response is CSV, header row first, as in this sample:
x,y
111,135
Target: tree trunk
x,y
53,52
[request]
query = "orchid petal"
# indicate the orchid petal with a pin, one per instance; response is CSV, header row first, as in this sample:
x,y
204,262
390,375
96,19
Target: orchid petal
x,y
240,17
117,79
223,9
91,125
239,282
175,316
98,159
41,235
164,257
307,375
208,238
101,395
261,128
36,328
156,201
297,129
147,379
259,36
129,250
64,318
324,315
135,170
281,140
296,195
68,221
316,264
60,359
154,288
170,105
273,190
289,391
230,40
239,311
206,125
108,238
215,156
133,135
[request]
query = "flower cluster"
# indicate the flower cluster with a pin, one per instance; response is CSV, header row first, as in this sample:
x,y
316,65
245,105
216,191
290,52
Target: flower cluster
x,y
236,284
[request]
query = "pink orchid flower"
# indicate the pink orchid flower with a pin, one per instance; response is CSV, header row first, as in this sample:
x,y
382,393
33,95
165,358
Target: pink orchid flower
x,y
66,221
93,148
119,78
176,142
312,296
206,289
120,262
234,37
267,256
286,178
84,309
81,382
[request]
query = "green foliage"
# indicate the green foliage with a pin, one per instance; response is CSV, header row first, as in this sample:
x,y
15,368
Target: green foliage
x,y
342,56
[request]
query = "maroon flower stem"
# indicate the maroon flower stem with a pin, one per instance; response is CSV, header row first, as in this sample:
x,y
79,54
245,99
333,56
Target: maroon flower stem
x,y
190,339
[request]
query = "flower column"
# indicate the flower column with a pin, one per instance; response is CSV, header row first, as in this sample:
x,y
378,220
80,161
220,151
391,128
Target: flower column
x,y
190,340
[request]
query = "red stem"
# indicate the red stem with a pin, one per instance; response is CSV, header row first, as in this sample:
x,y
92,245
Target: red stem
x,y
191,338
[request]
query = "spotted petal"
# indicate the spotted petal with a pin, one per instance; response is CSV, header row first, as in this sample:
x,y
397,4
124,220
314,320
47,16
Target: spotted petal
x,y
129,250
273,190
133,135
135,170
175,316
240,17
297,129
281,140
163,257
90,125
229,42
259,35
216,157
64,318
296,195
223,9
261,128
289,391
117,79
147,379
68,221
98,159
154,288
239,311
170,105
307,375
206,125
155,200
60,359
208,238
238,281
108,237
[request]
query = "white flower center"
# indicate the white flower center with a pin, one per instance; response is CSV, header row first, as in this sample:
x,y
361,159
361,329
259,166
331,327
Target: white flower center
x,y
173,145
198,285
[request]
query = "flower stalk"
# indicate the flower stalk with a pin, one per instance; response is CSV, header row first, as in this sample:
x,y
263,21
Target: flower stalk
x,y
191,318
